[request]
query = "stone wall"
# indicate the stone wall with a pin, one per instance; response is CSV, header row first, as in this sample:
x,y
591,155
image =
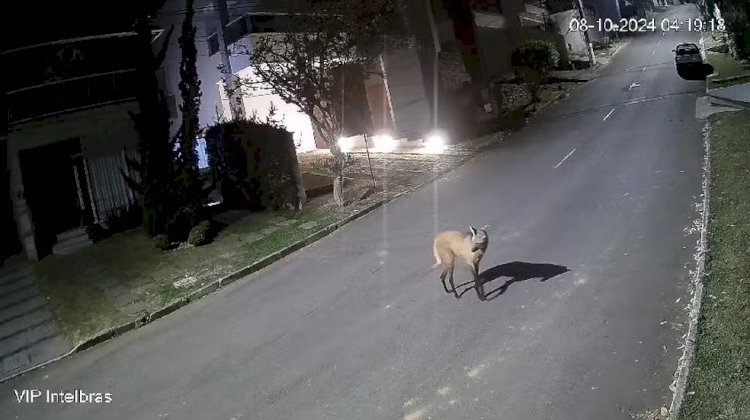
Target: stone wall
x,y
453,74
511,95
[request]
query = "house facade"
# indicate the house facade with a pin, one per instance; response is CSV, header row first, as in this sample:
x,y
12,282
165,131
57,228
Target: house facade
x,y
490,30
397,103
562,13
69,131
68,134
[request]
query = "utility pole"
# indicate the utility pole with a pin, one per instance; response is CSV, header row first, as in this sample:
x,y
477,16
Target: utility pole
x,y
435,64
589,46
231,83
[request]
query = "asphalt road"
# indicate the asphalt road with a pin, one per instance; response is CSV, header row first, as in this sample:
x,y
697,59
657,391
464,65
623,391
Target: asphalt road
x,y
356,326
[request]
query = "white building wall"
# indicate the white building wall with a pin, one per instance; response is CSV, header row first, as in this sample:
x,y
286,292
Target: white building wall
x,y
258,102
205,21
214,103
575,41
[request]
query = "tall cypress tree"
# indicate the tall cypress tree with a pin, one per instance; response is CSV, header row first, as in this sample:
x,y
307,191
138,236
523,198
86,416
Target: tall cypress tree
x,y
156,163
189,185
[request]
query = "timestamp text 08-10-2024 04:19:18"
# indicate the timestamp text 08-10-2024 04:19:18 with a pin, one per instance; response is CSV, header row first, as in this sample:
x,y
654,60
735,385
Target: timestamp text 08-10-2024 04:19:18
x,y
647,25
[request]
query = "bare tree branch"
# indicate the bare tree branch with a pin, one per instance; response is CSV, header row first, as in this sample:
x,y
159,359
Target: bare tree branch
x,y
304,60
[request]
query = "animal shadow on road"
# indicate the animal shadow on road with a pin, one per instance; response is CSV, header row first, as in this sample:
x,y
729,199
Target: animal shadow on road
x,y
517,271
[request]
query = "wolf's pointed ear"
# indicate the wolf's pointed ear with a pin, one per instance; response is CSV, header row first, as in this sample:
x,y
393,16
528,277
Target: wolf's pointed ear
x,y
473,231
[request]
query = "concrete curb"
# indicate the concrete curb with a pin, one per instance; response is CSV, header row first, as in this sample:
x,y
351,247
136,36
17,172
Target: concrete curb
x,y
619,47
245,271
729,79
679,385
728,102
709,91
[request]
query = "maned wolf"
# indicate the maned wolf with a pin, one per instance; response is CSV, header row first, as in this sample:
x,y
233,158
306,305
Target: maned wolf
x,y
466,246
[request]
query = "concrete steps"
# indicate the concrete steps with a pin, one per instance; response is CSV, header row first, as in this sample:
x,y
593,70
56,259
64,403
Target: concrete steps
x,y
28,337
28,332
71,242
22,315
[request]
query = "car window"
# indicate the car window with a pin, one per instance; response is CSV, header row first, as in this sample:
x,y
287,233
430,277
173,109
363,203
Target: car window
x,y
687,49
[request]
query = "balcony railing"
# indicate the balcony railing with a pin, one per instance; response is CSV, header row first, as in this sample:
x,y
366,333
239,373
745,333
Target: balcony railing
x,y
68,59
69,95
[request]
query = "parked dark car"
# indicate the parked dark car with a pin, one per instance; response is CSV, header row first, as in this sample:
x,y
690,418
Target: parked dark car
x,y
688,59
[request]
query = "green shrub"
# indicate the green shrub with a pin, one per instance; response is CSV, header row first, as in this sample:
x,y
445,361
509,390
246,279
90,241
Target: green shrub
x,y
603,43
253,162
533,63
278,180
124,218
200,234
721,48
538,54
161,242
738,27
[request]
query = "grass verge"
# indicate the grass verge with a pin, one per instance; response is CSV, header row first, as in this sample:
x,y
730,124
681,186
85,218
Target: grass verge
x,y
719,382
726,67
94,289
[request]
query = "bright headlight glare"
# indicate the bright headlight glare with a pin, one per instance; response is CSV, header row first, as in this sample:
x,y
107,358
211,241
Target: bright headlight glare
x,y
345,144
434,143
384,143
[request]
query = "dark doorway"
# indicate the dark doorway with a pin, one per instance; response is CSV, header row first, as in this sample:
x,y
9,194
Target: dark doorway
x,y
10,244
56,189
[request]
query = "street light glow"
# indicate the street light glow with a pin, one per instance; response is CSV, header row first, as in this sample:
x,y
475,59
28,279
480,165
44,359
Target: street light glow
x,y
434,143
384,143
346,144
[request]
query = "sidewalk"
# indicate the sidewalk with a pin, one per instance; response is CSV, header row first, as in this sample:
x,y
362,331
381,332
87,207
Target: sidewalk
x,y
603,58
738,94
28,332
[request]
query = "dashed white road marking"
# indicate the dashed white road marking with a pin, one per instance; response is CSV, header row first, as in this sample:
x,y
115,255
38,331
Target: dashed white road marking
x,y
608,114
643,69
563,160
415,415
653,52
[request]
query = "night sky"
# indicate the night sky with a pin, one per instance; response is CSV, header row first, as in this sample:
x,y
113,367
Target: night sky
x,y
58,20
27,23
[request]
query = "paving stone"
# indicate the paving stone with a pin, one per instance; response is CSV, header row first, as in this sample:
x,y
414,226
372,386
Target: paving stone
x,y
186,282
251,237
15,361
309,225
288,222
107,282
95,268
269,230
275,220
135,307
116,291
124,299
